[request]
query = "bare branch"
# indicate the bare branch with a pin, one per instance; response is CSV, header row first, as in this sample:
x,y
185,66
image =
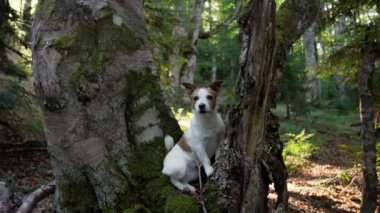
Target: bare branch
x,y
225,23
31,201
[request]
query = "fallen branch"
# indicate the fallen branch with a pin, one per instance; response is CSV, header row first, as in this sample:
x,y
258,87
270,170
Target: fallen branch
x,y
31,201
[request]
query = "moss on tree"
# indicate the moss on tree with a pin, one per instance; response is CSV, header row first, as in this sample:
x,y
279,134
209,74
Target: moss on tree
x,y
182,204
79,195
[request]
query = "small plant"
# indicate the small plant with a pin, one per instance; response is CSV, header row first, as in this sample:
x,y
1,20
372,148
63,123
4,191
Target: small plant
x,y
299,145
344,176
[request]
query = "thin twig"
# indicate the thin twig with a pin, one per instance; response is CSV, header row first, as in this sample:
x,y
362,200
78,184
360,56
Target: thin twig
x,y
202,201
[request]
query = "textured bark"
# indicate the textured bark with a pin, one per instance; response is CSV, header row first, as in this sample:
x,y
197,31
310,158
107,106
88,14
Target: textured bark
x,y
178,36
242,177
369,54
251,156
214,67
27,19
104,112
313,84
190,49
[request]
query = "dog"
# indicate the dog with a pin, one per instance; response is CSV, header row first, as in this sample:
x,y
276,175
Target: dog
x,y
200,141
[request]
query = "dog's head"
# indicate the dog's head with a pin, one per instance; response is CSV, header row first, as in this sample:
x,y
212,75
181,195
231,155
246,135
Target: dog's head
x,y
203,98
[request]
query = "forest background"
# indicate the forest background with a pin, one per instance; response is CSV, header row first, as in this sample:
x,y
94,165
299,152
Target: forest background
x,y
200,41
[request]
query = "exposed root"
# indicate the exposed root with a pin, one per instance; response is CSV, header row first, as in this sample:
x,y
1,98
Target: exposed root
x,y
31,201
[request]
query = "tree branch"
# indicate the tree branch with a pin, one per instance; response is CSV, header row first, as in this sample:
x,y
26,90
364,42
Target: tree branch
x,y
292,19
225,23
31,201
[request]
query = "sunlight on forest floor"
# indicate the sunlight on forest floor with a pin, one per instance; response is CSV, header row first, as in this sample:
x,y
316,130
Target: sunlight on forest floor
x,y
323,155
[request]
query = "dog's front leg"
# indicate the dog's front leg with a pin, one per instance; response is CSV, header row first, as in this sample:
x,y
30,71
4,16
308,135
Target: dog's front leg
x,y
205,161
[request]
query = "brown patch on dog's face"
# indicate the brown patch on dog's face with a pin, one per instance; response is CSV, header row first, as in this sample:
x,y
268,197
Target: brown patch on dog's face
x,y
203,98
184,145
212,97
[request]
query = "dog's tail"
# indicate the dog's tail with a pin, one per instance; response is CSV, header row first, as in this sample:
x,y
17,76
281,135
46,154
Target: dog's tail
x,y
169,142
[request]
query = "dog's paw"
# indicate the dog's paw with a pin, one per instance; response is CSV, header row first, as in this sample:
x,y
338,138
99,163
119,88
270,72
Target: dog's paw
x,y
209,170
189,189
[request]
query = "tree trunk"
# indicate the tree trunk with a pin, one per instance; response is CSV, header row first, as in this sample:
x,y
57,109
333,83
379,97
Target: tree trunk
x,y
179,34
27,19
214,67
369,196
313,84
251,156
105,115
190,48
340,80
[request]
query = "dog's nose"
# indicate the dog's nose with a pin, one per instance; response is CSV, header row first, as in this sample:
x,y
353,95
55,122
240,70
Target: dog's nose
x,y
202,106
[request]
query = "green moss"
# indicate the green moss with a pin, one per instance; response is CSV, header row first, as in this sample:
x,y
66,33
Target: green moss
x,y
78,195
145,84
114,38
137,209
147,162
211,195
45,8
66,42
77,76
182,204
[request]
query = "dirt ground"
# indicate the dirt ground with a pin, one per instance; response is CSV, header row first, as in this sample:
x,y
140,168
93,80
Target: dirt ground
x,y
329,181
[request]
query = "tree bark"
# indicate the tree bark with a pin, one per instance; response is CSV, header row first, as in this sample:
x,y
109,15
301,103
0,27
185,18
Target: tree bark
x,y
251,156
105,115
369,53
190,48
179,34
313,84
214,67
340,80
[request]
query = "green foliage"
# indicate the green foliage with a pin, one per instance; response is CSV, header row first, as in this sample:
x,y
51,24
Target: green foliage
x,y
344,176
299,145
292,81
137,209
297,148
10,93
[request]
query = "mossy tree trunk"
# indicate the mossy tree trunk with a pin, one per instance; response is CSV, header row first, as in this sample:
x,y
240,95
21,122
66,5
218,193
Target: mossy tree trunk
x,y
369,54
105,115
251,156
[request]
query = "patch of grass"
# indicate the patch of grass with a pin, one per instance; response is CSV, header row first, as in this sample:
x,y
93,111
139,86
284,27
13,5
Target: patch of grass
x,y
344,176
315,119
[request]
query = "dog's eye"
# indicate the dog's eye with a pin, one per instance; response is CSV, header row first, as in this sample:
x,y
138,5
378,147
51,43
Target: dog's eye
x,y
195,98
209,97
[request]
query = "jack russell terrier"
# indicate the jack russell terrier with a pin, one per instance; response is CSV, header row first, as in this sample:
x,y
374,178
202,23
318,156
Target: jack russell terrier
x,y
199,142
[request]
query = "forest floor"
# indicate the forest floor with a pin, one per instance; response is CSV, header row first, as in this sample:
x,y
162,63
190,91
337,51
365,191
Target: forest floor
x,y
328,178
324,165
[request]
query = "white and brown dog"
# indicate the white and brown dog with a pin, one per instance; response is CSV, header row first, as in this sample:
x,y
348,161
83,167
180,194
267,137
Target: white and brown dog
x,y
199,142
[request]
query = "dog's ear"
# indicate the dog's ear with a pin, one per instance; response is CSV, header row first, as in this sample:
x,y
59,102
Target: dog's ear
x,y
216,85
189,87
